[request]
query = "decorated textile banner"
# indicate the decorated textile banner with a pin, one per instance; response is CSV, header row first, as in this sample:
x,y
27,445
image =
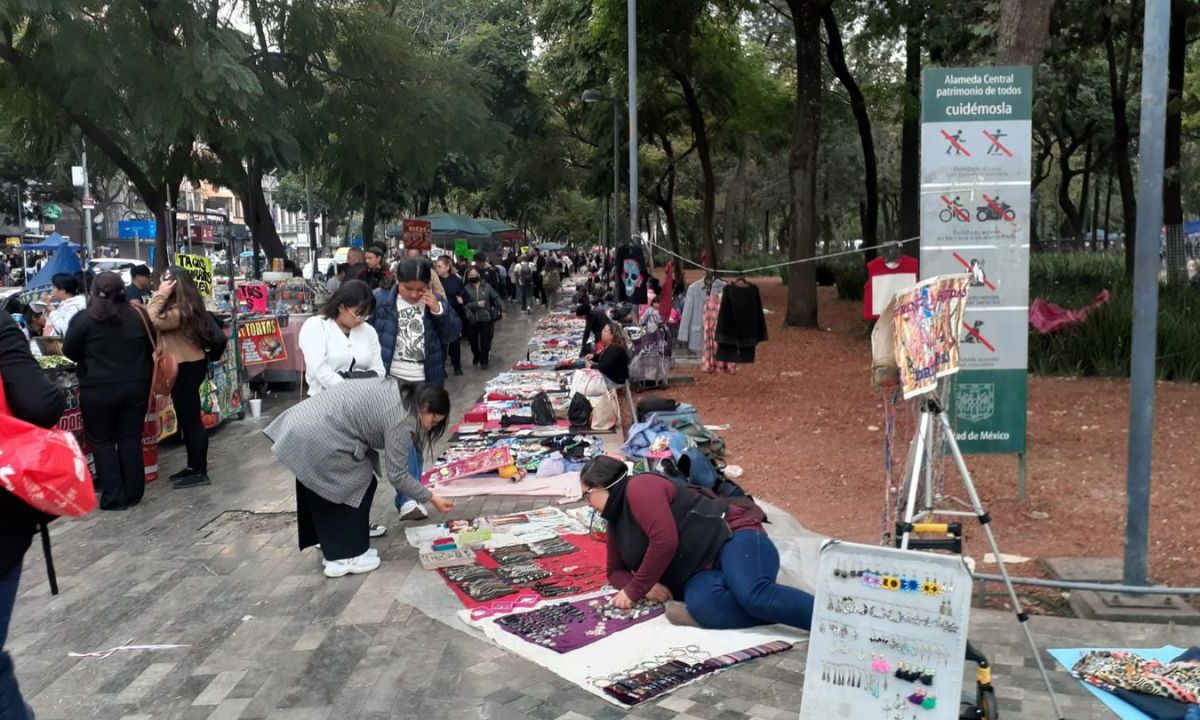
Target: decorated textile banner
x,y
201,270
254,294
928,320
261,341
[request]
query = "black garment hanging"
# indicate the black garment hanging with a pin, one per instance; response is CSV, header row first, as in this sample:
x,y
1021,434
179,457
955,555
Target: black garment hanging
x,y
631,275
741,325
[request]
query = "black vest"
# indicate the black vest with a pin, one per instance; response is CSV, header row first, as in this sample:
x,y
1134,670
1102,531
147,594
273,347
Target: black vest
x,y
699,520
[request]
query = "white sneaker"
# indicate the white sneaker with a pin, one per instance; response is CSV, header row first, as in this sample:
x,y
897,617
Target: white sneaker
x,y
413,510
376,530
364,563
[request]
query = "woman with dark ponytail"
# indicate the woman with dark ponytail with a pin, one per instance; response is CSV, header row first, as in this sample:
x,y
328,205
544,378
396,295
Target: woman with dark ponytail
x,y
112,344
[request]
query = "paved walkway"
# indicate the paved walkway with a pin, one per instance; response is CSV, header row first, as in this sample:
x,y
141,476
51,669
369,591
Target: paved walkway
x,y
270,637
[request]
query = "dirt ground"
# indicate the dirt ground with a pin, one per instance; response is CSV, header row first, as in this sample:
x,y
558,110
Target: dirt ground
x,y
808,428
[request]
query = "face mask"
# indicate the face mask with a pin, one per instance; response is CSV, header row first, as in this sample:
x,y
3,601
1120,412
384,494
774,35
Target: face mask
x,y
473,281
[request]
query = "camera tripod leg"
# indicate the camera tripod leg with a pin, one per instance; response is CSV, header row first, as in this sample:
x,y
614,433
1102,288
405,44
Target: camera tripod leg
x,y
985,521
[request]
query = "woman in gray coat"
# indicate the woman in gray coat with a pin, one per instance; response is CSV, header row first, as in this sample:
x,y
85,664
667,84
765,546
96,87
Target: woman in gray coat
x,y
332,442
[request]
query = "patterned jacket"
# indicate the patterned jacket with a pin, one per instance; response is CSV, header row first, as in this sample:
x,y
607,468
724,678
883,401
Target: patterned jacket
x,y
331,440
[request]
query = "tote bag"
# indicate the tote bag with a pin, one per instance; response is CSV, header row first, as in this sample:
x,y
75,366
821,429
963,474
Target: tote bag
x,y
45,468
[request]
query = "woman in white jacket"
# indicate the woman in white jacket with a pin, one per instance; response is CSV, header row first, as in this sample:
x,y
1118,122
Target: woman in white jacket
x,y
338,343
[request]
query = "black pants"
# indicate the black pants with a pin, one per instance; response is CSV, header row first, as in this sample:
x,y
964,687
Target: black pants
x,y
454,350
341,530
113,418
480,336
186,396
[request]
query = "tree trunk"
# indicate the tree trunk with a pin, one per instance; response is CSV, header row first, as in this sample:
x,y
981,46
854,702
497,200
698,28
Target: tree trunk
x,y
370,215
1024,32
858,104
802,164
1083,195
910,132
1122,134
1108,206
263,225
666,201
708,204
1172,185
733,198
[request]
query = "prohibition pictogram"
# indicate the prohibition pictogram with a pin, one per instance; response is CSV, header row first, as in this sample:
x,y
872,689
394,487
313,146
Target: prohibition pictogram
x,y
975,267
997,147
956,143
953,211
976,336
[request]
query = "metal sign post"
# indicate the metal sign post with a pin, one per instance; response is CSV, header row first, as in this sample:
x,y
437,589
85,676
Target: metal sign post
x,y
976,141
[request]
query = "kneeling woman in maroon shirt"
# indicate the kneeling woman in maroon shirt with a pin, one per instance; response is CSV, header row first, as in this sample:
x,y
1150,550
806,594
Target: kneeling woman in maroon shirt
x,y
668,542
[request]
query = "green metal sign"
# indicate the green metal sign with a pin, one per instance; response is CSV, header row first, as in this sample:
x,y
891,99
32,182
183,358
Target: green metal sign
x,y
51,212
976,150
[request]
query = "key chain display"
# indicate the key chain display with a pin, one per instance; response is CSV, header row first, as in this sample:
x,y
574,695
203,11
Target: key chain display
x,y
566,626
889,634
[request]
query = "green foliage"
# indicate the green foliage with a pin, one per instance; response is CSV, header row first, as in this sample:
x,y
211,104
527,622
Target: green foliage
x,y
1101,345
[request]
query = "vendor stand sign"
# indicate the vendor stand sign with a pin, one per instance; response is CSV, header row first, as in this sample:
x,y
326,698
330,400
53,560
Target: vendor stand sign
x,y
201,270
887,641
418,234
927,320
976,141
261,341
254,296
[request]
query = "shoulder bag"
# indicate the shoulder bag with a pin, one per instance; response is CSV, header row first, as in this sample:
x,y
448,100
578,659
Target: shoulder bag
x,y
166,367
44,467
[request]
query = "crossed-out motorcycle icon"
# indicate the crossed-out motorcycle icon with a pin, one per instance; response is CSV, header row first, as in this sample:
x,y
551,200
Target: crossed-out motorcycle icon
x,y
995,209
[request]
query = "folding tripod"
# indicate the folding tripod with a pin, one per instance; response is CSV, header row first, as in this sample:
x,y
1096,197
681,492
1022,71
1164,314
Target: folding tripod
x,y
932,411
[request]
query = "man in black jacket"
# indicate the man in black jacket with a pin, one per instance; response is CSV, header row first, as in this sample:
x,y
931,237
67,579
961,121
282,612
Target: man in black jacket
x,y
32,398
595,319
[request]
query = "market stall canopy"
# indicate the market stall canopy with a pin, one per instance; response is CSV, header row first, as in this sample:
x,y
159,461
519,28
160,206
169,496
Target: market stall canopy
x,y
550,246
53,242
455,224
64,260
495,226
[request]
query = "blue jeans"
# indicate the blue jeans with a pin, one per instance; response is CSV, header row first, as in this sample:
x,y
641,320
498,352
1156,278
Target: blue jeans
x,y
12,706
415,468
741,590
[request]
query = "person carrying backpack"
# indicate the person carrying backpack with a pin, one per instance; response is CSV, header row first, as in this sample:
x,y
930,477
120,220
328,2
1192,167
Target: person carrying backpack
x,y
523,273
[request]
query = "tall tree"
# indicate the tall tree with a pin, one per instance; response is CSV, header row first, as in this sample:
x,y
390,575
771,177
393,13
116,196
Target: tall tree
x,y
858,104
1177,273
802,163
1024,32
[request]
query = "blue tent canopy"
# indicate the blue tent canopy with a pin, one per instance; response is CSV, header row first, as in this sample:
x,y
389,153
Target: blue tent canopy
x,y
53,242
64,260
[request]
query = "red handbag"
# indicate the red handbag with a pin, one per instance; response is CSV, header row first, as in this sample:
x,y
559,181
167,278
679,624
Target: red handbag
x,y
45,468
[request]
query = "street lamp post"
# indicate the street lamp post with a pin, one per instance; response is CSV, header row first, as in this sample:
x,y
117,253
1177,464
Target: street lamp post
x,y
592,95
631,17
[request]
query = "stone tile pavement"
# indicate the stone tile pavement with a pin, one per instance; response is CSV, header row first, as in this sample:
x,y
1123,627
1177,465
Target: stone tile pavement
x,y
268,636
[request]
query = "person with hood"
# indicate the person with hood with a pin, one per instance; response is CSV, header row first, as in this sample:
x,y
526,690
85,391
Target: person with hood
x,y
414,325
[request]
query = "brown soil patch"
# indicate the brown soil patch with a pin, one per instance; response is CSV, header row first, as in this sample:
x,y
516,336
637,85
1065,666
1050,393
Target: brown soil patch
x,y
808,428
